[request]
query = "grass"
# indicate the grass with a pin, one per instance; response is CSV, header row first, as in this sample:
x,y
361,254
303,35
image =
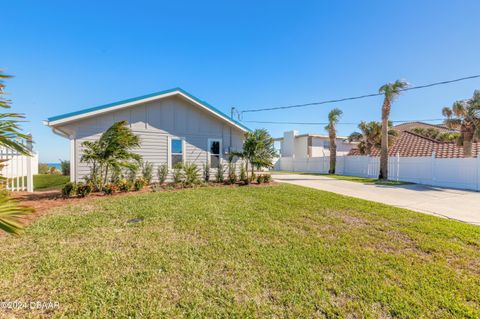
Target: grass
x,y
46,181
348,178
280,251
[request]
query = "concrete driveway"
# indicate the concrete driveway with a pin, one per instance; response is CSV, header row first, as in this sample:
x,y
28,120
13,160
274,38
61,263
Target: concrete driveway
x,y
449,203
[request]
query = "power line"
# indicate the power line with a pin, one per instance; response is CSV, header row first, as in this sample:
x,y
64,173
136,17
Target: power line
x,y
341,123
359,96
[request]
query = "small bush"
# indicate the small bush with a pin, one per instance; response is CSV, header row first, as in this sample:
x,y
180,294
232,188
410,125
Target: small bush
x,y
109,188
260,179
147,172
132,173
220,176
139,183
178,174
267,178
156,187
243,174
65,167
264,178
43,169
69,189
124,185
162,173
192,173
83,189
232,176
206,173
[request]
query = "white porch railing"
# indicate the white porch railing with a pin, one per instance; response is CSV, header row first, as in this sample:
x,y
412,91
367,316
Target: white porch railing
x,y
18,169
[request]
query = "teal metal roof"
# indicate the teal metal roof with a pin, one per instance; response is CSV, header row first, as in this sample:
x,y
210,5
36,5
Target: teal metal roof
x,y
107,106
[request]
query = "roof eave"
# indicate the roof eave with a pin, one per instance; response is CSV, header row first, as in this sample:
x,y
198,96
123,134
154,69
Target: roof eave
x,y
86,113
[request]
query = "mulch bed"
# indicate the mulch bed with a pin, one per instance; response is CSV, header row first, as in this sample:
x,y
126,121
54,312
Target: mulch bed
x,y
43,201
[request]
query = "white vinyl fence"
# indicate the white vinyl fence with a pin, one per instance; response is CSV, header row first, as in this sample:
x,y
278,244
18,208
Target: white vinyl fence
x,y
18,169
462,173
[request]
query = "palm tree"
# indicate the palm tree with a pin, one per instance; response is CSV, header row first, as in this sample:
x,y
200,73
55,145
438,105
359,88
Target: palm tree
x,y
390,91
370,136
258,150
465,116
111,153
333,118
10,134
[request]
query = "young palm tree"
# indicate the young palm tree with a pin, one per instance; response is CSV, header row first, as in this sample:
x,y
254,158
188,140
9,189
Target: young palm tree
x,y
258,150
370,136
10,134
333,118
112,152
390,92
465,116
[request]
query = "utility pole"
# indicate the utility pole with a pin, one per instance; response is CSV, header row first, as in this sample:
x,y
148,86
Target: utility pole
x,y
232,111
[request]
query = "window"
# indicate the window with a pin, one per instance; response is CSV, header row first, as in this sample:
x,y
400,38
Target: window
x,y
214,152
326,144
176,149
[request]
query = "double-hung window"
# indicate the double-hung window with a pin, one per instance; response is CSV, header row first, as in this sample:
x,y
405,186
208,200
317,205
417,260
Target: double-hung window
x,y
214,152
176,151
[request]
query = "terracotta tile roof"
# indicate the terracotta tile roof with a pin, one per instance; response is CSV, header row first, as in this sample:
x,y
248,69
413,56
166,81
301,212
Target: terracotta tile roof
x,y
409,144
409,126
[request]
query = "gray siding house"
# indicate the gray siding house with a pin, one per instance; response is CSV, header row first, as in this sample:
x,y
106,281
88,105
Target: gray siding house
x,y
173,126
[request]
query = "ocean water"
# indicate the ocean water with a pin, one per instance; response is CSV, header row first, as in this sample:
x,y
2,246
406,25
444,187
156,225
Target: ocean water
x,y
56,165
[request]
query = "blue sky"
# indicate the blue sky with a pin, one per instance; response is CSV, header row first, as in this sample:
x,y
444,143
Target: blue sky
x,y
69,55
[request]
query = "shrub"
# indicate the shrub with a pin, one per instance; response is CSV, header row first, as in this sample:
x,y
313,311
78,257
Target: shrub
x,y
54,171
139,183
243,174
84,189
124,185
109,188
232,176
132,173
147,172
206,173
191,172
65,167
260,179
178,175
220,176
264,178
267,178
69,189
156,187
162,173
43,169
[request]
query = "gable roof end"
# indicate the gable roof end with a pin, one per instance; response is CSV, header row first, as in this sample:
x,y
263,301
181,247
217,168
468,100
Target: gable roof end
x,y
73,116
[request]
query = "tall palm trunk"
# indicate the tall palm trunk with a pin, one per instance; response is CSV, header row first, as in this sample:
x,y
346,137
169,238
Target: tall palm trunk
x,y
384,150
333,149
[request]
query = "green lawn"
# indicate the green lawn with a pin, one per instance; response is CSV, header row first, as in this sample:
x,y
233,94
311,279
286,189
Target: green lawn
x,y
348,178
47,181
280,251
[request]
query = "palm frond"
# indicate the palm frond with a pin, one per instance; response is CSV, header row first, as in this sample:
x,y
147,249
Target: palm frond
x,y
11,214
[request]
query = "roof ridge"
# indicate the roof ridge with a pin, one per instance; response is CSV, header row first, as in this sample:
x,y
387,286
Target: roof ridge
x,y
177,90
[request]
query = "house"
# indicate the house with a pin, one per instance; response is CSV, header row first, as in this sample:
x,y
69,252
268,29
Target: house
x,y
310,145
408,143
173,126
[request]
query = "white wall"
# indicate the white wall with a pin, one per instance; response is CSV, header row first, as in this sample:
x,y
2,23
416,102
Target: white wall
x,y
462,173
154,122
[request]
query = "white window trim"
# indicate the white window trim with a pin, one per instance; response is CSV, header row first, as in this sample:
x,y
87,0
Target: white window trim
x,y
219,150
169,147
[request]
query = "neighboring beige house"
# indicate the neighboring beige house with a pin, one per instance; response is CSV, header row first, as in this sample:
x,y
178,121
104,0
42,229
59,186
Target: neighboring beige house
x,y
310,145
173,126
